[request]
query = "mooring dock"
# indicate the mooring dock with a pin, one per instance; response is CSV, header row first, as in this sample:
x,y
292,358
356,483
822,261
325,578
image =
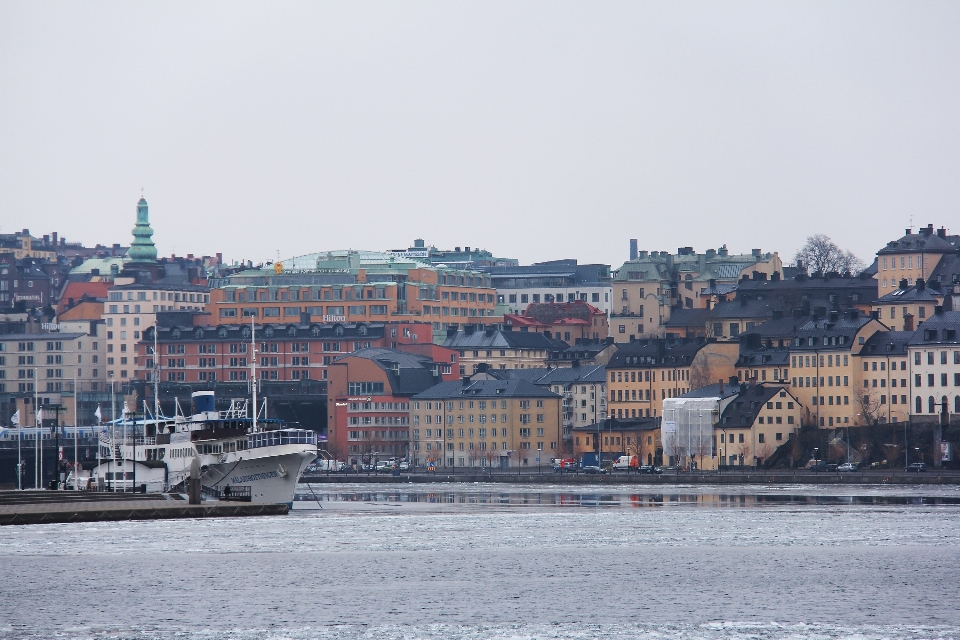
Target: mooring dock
x,y
43,507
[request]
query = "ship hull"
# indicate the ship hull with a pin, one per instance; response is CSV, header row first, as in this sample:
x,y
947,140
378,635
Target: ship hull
x,y
271,479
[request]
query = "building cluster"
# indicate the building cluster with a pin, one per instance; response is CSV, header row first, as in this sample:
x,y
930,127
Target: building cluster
x,y
459,358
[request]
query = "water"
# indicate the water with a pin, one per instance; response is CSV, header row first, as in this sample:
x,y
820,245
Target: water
x,y
480,562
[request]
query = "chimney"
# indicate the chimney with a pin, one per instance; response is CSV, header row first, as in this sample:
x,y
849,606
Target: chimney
x,y
721,386
928,231
875,315
907,232
775,277
451,331
711,253
713,283
938,310
908,322
633,248
756,253
941,232
834,316
219,258
854,314
54,236
921,285
641,255
903,283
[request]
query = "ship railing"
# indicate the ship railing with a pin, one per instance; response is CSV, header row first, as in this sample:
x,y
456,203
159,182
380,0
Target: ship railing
x,y
228,493
280,437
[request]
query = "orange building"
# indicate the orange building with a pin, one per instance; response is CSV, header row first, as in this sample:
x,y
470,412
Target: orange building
x,y
355,286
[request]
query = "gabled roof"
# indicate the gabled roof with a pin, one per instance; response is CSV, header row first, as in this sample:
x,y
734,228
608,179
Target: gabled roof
x,y
942,328
742,308
910,294
655,352
620,424
407,373
743,410
484,389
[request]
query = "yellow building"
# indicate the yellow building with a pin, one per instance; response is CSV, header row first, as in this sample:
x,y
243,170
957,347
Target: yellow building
x,y
485,423
635,437
884,367
502,349
912,257
645,372
906,307
648,287
825,375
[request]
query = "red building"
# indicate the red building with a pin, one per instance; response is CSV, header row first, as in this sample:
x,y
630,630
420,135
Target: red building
x,y
199,354
368,399
567,321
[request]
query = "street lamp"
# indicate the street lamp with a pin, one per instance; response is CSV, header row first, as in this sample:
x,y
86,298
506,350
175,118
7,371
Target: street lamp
x,y
816,459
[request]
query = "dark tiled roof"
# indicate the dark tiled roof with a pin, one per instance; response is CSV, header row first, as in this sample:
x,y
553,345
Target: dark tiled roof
x,y
655,352
918,242
484,389
553,375
743,410
887,343
910,294
942,328
688,318
742,308
757,357
620,424
715,390
503,340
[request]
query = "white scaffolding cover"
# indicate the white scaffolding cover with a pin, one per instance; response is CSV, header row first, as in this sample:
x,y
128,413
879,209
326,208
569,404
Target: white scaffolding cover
x,y
687,427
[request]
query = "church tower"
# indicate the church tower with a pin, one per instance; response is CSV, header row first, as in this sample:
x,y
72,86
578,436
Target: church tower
x,y
142,250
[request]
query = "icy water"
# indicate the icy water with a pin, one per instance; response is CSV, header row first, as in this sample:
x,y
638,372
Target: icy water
x,y
477,562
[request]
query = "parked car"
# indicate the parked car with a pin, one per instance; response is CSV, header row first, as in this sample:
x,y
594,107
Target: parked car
x,y
564,465
593,470
624,463
385,466
658,470
847,466
832,466
817,465
404,465
645,468
916,467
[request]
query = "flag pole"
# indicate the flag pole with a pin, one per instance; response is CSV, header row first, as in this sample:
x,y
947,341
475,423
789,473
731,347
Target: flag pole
x,y
76,433
38,448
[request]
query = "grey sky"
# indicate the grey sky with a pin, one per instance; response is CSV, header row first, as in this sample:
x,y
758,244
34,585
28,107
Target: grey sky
x,y
538,130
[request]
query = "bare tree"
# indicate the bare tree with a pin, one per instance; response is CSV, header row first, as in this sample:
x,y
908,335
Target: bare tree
x,y
871,410
894,453
821,255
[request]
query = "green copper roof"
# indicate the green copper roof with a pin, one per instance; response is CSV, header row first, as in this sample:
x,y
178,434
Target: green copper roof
x,y
142,249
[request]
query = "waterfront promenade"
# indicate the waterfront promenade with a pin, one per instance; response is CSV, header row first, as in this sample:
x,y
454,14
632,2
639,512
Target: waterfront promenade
x,y
760,477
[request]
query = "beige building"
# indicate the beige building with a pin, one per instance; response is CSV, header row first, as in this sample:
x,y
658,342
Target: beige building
x,y
934,356
908,306
131,309
914,256
647,288
885,378
825,373
643,373
485,423
501,349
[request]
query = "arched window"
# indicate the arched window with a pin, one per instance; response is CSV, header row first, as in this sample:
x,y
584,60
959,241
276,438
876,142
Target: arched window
x,y
919,405
932,404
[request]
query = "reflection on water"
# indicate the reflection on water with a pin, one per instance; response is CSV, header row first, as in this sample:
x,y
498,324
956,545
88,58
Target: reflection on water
x,y
520,496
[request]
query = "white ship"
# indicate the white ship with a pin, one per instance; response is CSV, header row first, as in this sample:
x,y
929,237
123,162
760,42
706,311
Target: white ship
x,y
239,457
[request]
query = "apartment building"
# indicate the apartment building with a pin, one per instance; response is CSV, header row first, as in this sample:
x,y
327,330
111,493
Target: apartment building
x,y
294,352
568,321
581,388
934,354
485,423
908,306
551,282
47,365
355,286
496,349
643,373
131,309
369,401
914,256
612,437
824,372
651,285
884,363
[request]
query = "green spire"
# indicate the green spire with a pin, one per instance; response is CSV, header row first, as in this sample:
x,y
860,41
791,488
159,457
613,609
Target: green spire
x,y
142,249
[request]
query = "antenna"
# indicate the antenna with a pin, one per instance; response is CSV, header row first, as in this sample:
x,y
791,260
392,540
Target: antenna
x,y
141,192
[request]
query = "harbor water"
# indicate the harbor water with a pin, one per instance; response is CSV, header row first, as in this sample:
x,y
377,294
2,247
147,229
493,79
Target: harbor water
x,y
504,561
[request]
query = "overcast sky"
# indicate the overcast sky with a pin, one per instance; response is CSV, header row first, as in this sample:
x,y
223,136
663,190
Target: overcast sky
x,y
537,130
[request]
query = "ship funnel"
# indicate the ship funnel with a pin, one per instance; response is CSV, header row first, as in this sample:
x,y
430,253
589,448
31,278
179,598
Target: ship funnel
x,y
203,401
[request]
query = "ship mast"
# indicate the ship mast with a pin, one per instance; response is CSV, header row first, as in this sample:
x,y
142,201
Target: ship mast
x,y
253,369
156,380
